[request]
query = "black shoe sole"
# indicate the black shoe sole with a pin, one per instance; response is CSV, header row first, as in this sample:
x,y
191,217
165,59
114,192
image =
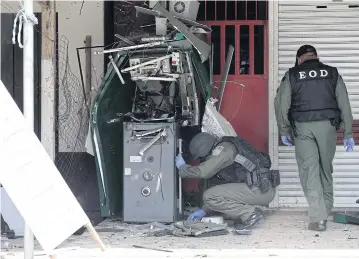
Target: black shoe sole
x,y
250,224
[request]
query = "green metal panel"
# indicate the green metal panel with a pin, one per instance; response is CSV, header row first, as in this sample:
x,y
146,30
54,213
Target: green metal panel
x,y
114,97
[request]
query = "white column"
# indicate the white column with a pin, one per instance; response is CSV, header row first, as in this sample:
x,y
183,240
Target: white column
x,y
28,77
272,86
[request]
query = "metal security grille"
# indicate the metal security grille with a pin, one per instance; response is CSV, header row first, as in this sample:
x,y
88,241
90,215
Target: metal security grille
x,y
219,10
332,27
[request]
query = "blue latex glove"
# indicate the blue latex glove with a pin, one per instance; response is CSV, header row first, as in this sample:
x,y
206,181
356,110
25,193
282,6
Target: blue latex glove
x,y
286,140
349,144
197,215
179,161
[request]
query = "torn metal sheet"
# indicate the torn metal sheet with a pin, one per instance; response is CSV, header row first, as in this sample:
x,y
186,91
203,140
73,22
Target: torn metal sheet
x,y
197,229
227,66
184,20
198,30
202,47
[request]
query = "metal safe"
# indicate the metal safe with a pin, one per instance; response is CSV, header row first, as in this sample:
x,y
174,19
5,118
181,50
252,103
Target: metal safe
x,y
150,182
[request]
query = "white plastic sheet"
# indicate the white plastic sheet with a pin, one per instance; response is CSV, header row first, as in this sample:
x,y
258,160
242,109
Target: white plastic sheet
x,y
214,123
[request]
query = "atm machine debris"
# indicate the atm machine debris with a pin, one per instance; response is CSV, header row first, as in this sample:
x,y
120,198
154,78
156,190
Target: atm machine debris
x,y
156,88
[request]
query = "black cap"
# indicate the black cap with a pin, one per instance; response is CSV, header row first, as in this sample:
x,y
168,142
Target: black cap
x,y
306,49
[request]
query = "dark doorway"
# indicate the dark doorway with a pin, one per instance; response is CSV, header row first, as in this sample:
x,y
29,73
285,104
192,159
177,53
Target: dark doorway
x,y
12,67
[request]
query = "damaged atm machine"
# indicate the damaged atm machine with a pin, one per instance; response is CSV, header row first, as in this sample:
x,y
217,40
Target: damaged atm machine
x,y
152,96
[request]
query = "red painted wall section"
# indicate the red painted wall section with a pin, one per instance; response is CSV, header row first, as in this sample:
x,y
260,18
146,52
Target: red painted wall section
x,y
246,108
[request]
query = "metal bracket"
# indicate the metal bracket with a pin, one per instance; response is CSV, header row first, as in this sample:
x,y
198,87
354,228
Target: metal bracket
x,y
152,142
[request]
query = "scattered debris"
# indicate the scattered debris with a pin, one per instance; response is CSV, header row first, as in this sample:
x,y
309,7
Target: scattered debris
x,y
110,230
350,237
155,225
199,229
160,233
242,231
150,248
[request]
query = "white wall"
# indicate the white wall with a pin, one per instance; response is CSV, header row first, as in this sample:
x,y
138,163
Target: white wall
x,y
74,26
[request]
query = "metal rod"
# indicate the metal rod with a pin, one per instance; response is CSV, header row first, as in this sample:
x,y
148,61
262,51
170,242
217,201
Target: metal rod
x,y
180,181
124,39
227,66
152,78
194,91
211,65
88,70
152,142
251,49
28,94
82,79
116,69
95,236
152,44
148,132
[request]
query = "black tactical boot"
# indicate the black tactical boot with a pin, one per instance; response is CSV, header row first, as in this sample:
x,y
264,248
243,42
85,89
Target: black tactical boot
x,y
318,226
253,219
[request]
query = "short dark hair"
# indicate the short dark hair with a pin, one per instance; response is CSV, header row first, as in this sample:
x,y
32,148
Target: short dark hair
x,y
306,49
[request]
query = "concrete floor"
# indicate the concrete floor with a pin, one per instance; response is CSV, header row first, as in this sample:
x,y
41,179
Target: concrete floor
x,y
280,230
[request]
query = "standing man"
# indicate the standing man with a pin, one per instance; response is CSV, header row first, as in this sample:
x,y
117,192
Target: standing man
x,y
240,176
312,102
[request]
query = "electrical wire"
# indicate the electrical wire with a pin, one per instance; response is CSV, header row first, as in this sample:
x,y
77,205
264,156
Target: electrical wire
x,y
241,98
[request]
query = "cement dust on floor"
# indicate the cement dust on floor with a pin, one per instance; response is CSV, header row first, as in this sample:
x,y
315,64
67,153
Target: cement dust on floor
x,y
279,230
